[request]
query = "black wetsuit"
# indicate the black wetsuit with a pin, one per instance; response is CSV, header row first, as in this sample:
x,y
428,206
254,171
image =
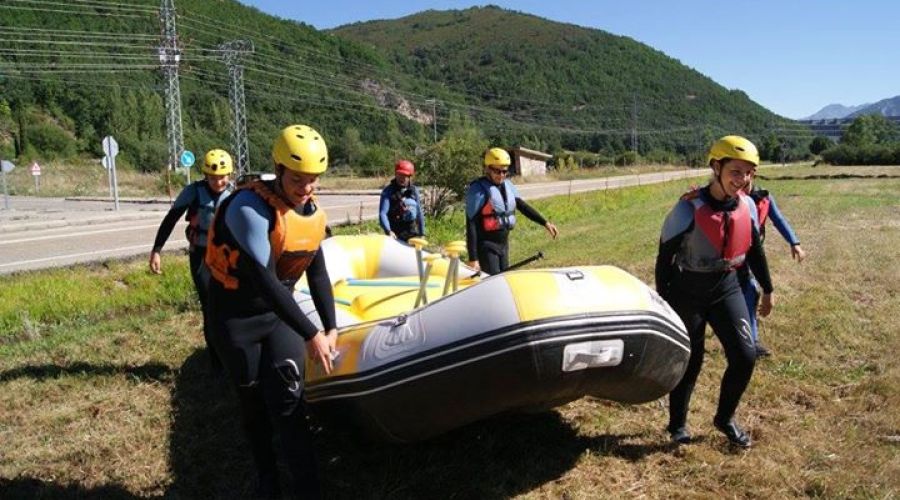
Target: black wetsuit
x,y
701,284
262,338
199,201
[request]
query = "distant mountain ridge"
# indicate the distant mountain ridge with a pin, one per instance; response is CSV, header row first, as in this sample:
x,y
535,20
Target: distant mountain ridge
x,y
884,107
833,111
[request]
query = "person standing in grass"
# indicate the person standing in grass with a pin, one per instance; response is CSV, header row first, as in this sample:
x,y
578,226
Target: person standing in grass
x,y
400,210
491,203
708,235
766,209
199,199
264,237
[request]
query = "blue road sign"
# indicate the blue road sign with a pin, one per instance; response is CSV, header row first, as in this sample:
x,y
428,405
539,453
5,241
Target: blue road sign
x,y
187,159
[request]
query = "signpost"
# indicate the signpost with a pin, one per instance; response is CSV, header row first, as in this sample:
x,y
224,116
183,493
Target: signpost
x,y
6,166
111,148
187,161
36,173
107,164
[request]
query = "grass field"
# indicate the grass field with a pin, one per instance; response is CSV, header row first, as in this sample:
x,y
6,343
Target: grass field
x,y
104,391
83,177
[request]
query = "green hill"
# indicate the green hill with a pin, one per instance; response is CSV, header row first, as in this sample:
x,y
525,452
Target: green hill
x,y
73,73
582,87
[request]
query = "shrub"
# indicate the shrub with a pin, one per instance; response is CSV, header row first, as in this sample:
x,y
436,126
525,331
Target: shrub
x,y
49,141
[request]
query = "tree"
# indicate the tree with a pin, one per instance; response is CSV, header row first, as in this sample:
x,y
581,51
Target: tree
x,y
352,145
869,130
819,143
447,168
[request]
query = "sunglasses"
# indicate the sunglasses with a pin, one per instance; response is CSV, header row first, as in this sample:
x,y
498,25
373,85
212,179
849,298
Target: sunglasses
x,y
498,171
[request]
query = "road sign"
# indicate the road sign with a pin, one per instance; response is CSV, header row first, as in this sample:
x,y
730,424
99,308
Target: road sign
x,y
35,169
105,162
110,146
187,159
7,166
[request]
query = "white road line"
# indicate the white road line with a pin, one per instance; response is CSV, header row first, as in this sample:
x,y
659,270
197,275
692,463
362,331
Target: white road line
x,y
82,254
85,233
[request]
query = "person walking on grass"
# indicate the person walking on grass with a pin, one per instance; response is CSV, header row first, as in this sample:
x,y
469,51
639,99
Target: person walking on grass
x,y
491,204
708,235
400,209
264,237
766,209
199,199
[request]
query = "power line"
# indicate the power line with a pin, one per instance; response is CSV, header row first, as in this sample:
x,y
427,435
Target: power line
x,y
73,33
89,13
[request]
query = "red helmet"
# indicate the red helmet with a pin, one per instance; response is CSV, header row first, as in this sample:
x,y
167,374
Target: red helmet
x,y
404,167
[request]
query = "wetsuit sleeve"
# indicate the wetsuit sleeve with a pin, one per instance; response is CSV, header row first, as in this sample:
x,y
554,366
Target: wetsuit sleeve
x,y
759,265
320,289
248,220
383,206
783,226
421,216
475,199
185,198
530,212
679,221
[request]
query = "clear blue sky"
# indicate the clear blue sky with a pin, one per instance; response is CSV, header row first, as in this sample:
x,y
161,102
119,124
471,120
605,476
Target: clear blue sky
x,y
792,56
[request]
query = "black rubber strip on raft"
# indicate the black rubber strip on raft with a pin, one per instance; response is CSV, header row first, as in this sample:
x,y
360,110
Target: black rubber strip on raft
x,y
633,333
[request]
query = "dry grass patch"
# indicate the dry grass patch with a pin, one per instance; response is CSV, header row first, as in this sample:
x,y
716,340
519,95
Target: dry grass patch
x,y
124,405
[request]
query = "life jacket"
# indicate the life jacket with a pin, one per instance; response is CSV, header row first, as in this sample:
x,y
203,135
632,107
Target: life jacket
x,y
763,204
200,213
719,240
294,239
497,214
403,211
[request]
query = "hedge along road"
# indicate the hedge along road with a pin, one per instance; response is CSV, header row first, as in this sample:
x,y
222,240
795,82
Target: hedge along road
x,y
38,233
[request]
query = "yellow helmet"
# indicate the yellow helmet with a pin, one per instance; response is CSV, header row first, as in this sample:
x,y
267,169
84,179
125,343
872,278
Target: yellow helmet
x,y
217,162
301,149
497,157
734,147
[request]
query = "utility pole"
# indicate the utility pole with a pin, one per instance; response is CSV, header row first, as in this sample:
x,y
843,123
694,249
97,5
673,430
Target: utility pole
x,y
433,116
169,57
634,118
232,54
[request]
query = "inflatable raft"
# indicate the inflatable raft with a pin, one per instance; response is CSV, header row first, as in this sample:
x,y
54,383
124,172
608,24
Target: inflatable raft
x,y
522,340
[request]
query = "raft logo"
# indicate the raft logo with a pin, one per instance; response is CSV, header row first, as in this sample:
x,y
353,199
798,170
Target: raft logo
x,y
389,340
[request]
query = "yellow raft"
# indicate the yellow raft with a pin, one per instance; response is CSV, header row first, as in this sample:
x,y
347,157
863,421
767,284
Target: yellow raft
x,y
525,339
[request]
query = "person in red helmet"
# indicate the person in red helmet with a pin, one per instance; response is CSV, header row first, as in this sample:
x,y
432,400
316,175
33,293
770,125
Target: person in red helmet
x,y
400,211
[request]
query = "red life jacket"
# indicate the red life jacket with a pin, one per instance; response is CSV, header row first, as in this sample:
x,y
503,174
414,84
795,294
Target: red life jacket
x,y
497,213
719,240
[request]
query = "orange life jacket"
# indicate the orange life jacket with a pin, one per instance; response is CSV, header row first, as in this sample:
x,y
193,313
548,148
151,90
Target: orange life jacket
x,y
294,239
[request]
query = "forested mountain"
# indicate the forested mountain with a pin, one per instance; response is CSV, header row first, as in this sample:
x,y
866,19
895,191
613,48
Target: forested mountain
x,y
69,76
583,88
71,73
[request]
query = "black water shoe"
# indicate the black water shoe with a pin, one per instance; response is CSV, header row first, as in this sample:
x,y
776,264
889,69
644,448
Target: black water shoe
x,y
679,435
735,434
762,351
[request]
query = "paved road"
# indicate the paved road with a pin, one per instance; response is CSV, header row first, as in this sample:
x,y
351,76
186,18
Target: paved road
x,y
38,233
